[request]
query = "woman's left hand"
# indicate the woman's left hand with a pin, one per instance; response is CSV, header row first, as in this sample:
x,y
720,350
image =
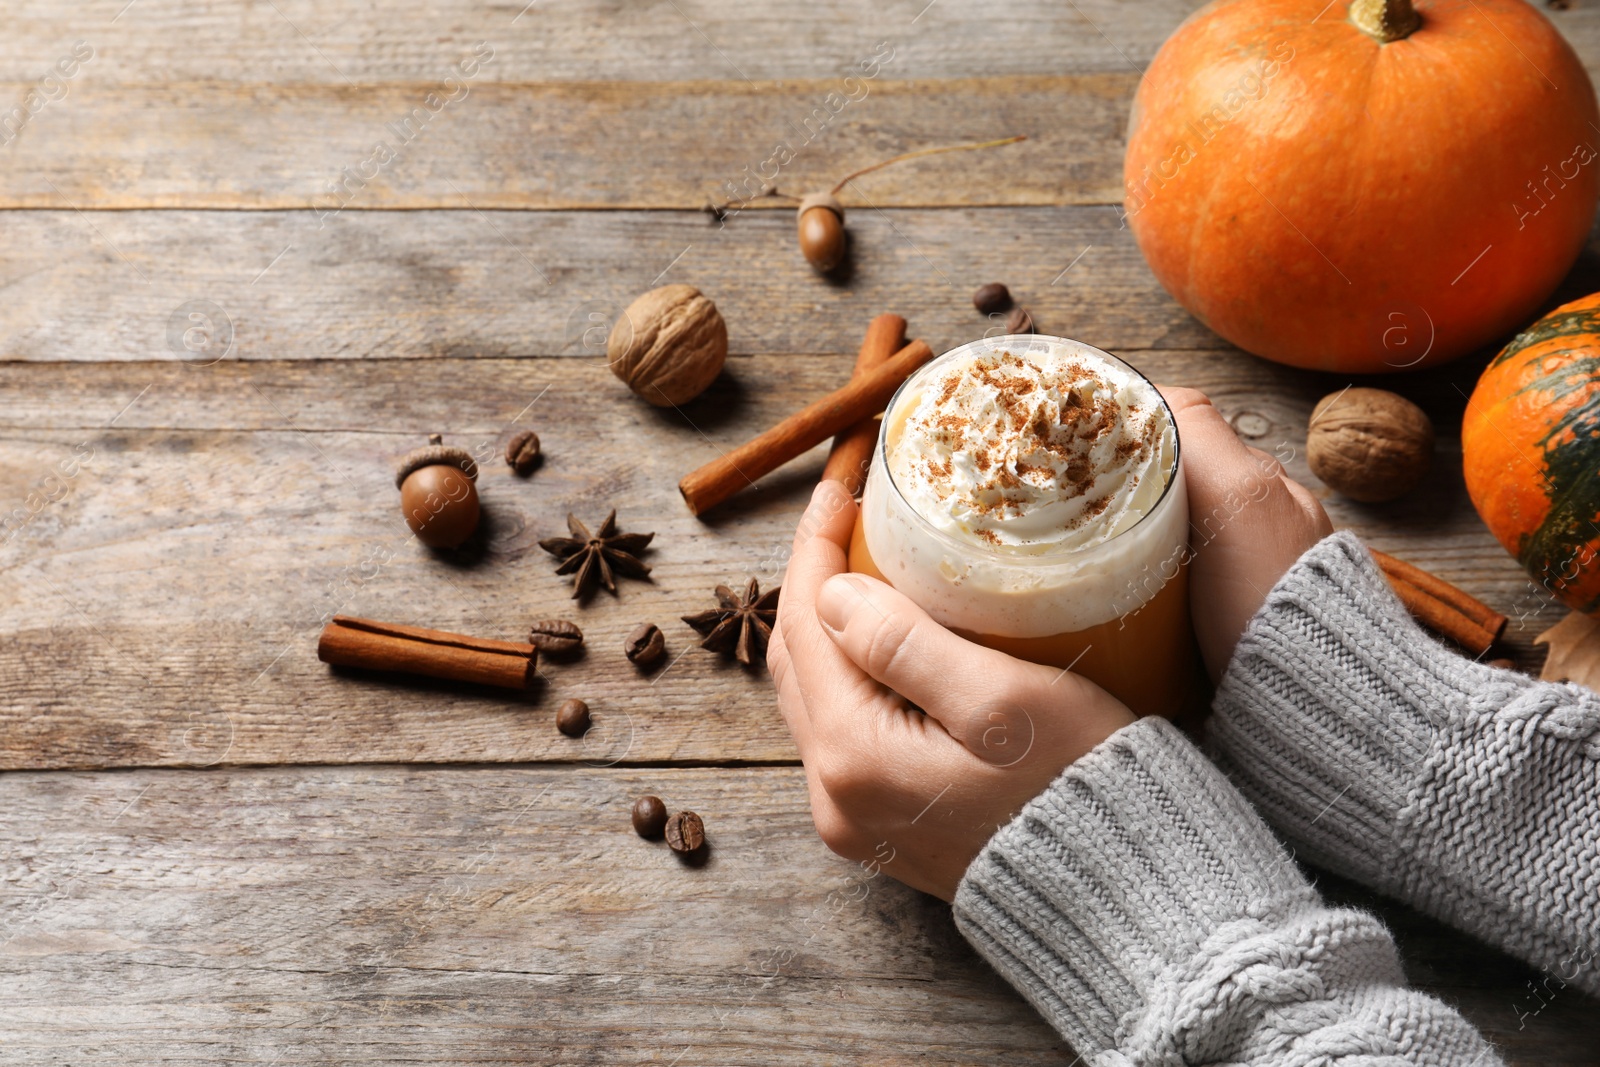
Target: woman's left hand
x,y
918,794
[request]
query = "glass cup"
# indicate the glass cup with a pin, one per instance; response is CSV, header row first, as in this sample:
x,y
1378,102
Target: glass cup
x,y
1116,612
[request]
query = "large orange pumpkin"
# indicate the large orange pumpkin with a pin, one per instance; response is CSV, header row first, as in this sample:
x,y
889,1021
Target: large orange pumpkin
x,y
1530,446
1363,187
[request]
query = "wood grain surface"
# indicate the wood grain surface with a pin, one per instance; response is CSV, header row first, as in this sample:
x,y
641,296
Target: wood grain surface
x,y
470,916
478,915
340,42
218,849
407,285
402,285
163,610
552,145
579,106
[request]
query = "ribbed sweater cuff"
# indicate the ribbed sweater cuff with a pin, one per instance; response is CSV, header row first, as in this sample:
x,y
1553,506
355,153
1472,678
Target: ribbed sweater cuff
x,y
1335,698
1095,901
1465,791
1150,916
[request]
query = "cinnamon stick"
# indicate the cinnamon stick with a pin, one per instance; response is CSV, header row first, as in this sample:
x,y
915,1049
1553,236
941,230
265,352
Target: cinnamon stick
x,y
385,646
1442,618
1441,590
851,454
716,481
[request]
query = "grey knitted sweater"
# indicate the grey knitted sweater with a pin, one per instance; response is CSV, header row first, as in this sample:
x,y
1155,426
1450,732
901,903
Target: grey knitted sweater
x,y
1144,907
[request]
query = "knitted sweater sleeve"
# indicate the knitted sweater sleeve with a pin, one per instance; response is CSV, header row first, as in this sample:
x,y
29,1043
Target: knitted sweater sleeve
x,y
1149,914
1470,793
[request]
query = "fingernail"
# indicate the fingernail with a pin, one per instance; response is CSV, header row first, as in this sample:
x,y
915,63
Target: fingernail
x,y
838,599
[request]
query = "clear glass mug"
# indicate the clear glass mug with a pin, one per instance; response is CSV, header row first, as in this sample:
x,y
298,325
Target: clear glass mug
x,y
1116,612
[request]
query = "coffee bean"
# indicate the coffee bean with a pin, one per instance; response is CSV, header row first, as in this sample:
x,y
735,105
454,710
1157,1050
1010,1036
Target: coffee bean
x,y
649,817
555,637
1019,321
573,718
991,299
645,646
522,452
685,833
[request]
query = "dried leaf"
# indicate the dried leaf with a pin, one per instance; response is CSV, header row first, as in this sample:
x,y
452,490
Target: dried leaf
x,y
1574,651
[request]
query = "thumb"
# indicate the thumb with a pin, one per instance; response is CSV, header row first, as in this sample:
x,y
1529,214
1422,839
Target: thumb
x,y
983,698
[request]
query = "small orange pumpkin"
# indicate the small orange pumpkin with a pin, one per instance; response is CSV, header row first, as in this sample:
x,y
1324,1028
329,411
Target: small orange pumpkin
x,y
1530,447
1363,187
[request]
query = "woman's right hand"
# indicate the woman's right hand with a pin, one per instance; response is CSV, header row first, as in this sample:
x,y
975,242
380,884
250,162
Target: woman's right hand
x,y
1248,522
918,744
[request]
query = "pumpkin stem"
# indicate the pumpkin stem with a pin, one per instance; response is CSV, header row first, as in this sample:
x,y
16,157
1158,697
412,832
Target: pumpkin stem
x,y
1387,20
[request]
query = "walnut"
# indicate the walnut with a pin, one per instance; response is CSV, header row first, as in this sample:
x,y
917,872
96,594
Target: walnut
x,y
669,345
1369,444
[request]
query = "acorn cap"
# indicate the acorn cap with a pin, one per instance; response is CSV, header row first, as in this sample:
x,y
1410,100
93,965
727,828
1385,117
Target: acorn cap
x,y
435,454
820,200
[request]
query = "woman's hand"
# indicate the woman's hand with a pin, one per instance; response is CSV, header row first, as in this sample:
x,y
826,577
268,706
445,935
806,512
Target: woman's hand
x,y
918,794
1248,522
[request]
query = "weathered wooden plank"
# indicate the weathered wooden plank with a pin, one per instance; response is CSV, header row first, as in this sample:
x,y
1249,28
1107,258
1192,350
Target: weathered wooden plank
x,y
164,609
336,43
469,916
578,106
122,285
303,42
381,915
555,145
117,285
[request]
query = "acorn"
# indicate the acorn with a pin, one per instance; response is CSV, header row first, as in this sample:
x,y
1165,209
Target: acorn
x,y
821,216
438,494
821,219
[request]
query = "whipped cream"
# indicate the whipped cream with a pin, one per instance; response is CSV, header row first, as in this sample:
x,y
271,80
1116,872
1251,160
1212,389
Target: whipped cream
x,y
1025,487
1032,451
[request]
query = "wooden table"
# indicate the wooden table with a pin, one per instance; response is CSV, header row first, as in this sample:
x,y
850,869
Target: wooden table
x,y
218,850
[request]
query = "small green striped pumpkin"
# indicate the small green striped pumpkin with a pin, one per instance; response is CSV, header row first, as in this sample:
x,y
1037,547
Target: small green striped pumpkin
x,y
1530,445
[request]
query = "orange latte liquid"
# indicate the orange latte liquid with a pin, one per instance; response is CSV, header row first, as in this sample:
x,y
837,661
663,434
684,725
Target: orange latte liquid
x,y
1147,659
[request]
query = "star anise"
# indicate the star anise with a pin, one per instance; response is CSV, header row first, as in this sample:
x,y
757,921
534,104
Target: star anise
x,y
598,556
740,625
